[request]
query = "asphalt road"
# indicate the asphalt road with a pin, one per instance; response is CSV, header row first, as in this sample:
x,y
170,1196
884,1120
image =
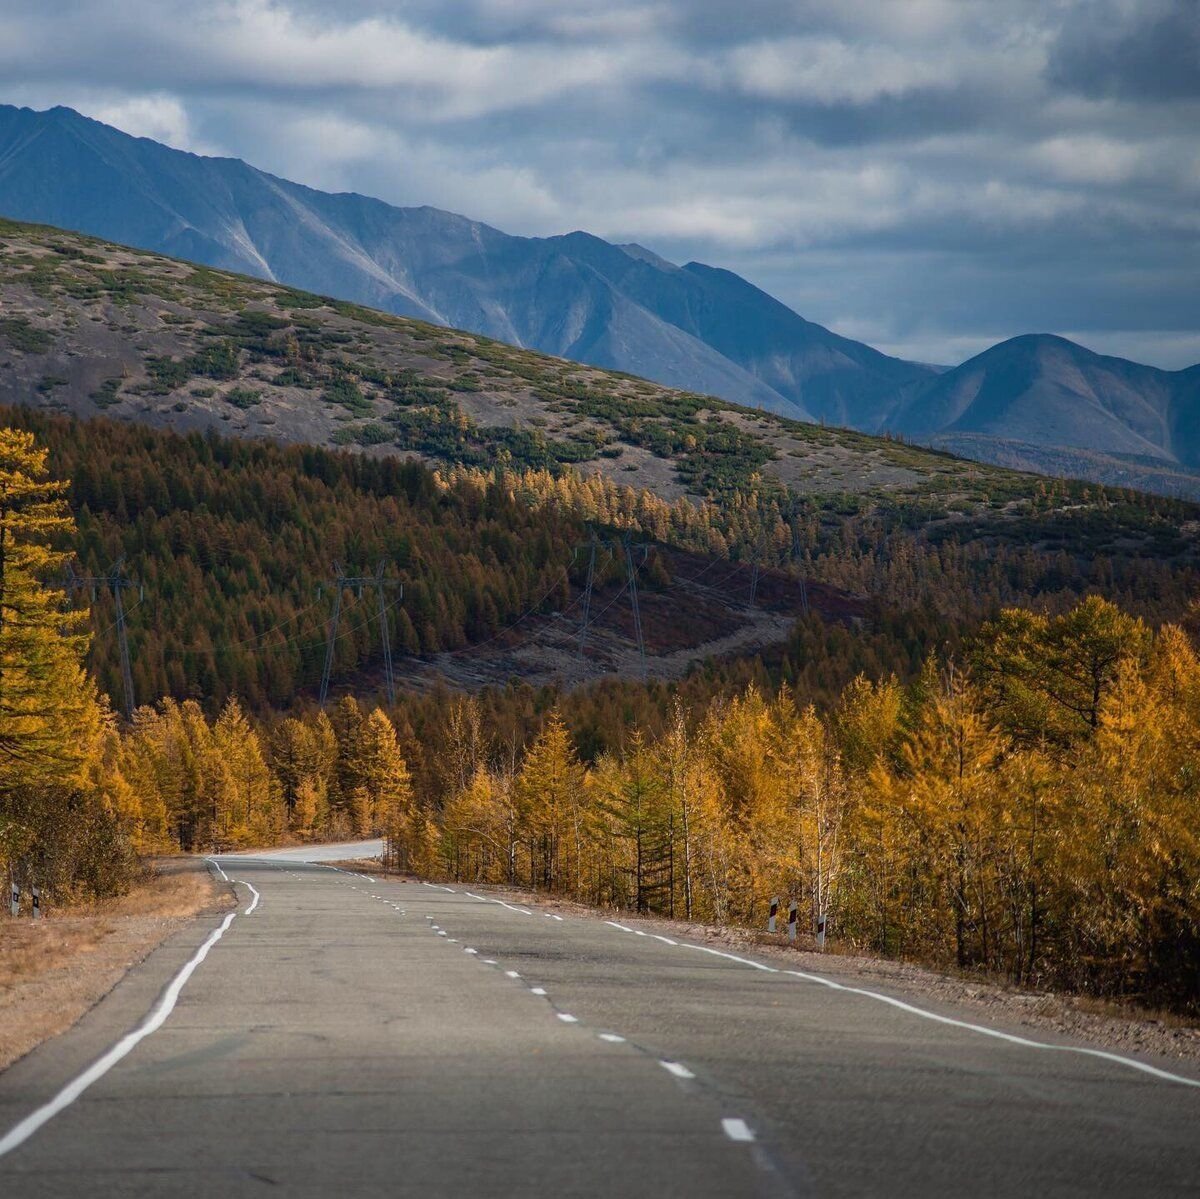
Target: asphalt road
x,y
351,1036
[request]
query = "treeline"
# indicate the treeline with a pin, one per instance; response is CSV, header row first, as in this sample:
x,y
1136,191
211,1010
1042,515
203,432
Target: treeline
x,y
1025,806
1031,810
233,544
199,785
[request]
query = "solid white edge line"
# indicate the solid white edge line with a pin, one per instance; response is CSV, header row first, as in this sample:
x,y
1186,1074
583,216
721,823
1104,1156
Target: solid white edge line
x,y
912,1009
733,957
214,862
489,899
1028,1043
20,1133
737,1130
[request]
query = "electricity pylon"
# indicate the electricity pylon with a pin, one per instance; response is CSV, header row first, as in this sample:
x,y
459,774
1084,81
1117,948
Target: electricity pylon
x,y
117,582
633,597
340,582
587,592
803,580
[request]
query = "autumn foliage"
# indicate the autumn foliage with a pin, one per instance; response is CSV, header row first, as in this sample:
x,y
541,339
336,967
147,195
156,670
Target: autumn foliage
x,y
1020,797
1032,812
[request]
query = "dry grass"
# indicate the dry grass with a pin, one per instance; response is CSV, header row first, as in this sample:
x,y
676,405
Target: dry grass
x,y
53,970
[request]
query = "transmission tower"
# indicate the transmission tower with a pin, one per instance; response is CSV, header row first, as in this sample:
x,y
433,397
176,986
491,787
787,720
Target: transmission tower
x,y
340,582
633,597
587,592
803,580
118,583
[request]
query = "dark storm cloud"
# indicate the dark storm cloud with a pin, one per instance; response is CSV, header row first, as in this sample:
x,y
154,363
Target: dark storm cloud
x,y
1153,54
928,174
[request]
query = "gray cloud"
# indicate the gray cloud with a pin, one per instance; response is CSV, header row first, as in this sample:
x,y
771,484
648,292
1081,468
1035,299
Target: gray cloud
x,y
1149,53
931,175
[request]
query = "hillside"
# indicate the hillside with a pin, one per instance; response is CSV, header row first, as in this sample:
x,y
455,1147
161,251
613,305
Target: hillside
x,y
90,327
235,538
576,296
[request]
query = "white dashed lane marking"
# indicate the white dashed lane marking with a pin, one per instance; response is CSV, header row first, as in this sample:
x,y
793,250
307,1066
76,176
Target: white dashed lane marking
x,y
737,1130
676,1068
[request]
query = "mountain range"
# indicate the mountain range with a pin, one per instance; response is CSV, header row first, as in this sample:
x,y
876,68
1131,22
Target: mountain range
x,y
1036,401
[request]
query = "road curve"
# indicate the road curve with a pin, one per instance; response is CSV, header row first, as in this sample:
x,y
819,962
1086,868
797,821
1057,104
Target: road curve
x,y
350,1035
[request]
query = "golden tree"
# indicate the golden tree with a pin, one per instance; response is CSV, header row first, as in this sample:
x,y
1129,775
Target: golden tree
x,y
550,792
46,699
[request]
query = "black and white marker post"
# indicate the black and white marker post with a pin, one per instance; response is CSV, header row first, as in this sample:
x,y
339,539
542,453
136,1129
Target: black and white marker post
x,y
792,921
37,902
821,932
15,899
774,913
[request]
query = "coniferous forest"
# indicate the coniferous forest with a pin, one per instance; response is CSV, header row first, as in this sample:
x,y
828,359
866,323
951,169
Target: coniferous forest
x,y
990,765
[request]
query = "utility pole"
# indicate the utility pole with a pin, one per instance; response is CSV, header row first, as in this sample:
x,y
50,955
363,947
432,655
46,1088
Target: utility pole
x,y
340,582
633,598
587,593
117,582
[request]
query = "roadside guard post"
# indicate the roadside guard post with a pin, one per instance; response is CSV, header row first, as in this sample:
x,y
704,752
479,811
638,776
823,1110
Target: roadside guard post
x,y
774,913
820,932
15,899
792,921
37,902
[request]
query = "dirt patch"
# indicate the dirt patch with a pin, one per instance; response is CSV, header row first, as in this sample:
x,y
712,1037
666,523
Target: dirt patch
x,y
1102,1024
53,970
708,609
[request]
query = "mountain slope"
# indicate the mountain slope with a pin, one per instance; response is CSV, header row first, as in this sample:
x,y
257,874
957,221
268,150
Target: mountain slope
x,y
1038,403
576,296
1046,403
87,327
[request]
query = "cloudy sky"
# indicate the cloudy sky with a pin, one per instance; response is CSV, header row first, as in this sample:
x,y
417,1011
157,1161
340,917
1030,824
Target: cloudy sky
x,y
928,175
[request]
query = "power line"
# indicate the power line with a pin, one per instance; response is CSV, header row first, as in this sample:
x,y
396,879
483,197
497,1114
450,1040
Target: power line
x,y
118,583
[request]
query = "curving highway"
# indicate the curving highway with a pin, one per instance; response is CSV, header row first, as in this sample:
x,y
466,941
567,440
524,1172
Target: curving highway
x,y
347,1035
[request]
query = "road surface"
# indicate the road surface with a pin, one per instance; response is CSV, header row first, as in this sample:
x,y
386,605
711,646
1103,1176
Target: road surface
x,y
344,1035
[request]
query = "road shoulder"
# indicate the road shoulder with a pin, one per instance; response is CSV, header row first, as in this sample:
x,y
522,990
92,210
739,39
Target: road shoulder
x,y
55,970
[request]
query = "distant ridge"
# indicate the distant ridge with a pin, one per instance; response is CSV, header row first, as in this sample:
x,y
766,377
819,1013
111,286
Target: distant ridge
x,y
576,296
1036,401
